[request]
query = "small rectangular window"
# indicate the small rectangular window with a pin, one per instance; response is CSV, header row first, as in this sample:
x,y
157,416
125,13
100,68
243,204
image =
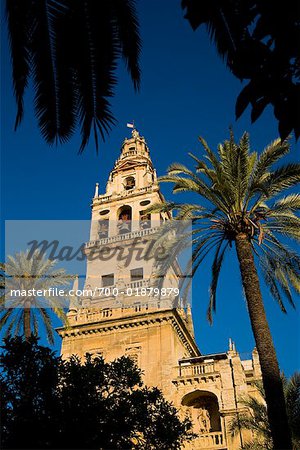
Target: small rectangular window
x,y
136,274
108,280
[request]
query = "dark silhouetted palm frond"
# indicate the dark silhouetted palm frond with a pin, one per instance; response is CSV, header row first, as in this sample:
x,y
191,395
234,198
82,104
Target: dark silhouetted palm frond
x,y
258,40
70,49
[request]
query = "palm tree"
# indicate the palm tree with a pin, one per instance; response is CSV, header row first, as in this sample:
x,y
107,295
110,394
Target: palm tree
x,y
256,420
23,314
70,49
239,206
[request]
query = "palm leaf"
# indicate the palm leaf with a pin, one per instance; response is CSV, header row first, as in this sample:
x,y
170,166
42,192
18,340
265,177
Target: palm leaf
x,y
289,203
25,272
71,49
18,17
54,98
128,36
47,324
216,268
282,178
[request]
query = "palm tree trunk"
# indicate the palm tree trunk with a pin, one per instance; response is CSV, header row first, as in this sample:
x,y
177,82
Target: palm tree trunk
x,y
27,328
268,360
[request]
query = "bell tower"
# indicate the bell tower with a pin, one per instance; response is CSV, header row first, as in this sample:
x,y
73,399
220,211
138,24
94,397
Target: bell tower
x,y
121,228
121,311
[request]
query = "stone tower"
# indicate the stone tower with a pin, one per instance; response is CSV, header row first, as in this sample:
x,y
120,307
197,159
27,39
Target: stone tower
x,y
120,314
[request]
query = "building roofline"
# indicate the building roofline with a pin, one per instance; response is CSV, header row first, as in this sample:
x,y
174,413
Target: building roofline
x,y
136,320
222,355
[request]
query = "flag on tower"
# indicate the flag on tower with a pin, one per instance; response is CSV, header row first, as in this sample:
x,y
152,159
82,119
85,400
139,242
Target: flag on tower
x,y
130,125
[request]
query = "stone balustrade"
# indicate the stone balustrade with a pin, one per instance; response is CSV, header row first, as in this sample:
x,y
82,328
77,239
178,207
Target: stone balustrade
x,y
130,153
137,191
91,314
138,284
197,369
122,237
210,441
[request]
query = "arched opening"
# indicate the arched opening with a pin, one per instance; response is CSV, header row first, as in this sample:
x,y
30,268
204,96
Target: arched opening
x,y
124,219
103,227
129,183
203,409
145,220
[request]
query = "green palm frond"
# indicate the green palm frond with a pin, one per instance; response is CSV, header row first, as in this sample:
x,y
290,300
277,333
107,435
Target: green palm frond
x,y
27,272
282,178
47,324
216,268
269,156
286,204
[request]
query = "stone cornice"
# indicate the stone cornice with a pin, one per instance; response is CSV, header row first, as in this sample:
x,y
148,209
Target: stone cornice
x,y
103,199
137,320
182,328
202,380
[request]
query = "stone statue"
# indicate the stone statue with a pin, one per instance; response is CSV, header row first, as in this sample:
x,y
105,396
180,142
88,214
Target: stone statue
x,y
203,420
135,133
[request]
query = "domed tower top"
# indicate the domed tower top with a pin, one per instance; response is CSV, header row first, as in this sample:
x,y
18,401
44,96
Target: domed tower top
x,y
133,170
134,146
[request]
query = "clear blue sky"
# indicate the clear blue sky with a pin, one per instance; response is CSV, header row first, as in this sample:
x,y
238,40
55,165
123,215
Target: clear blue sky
x,y
186,91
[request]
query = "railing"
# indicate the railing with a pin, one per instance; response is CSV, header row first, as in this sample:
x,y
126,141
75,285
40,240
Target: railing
x,y
91,314
130,153
104,198
109,291
197,369
122,237
107,198
137,284
210,440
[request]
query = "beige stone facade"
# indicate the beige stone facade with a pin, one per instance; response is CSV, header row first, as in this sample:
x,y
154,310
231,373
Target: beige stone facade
x,y
156,332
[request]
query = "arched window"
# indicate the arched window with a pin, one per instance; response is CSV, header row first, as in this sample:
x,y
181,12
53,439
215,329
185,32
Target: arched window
x,y
103,228
129,183
124,219
145,220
